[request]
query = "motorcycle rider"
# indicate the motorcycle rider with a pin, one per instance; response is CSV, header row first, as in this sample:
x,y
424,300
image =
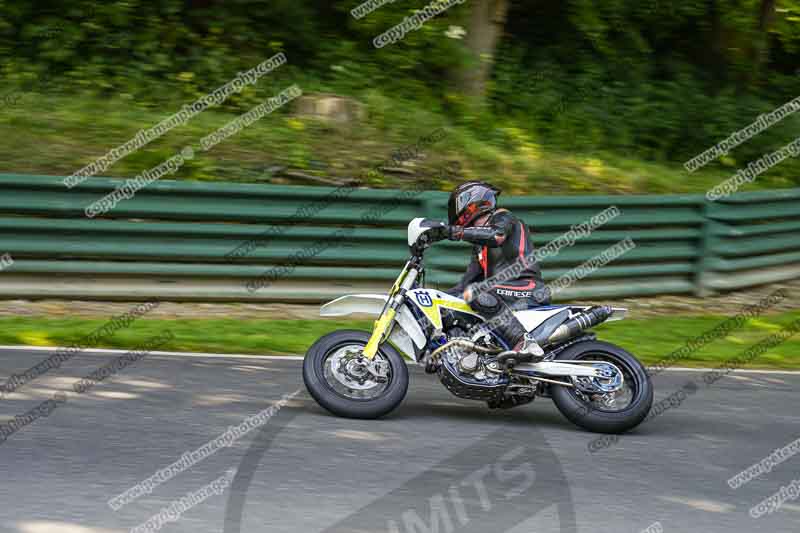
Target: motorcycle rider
x,y
502,245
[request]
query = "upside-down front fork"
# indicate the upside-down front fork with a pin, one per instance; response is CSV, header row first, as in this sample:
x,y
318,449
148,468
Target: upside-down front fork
x,y
383,326
380,332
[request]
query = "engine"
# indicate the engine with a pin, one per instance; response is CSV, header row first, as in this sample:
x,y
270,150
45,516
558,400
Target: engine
x,y
463,371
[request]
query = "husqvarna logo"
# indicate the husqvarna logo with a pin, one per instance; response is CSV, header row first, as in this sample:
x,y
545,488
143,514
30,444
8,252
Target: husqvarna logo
x,y
424,299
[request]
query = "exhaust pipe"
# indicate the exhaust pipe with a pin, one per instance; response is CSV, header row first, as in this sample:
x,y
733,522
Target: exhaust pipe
x,y
465,343
570,328
580,322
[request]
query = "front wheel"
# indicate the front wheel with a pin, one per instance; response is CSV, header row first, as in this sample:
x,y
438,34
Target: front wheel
x,y
613,412
346,383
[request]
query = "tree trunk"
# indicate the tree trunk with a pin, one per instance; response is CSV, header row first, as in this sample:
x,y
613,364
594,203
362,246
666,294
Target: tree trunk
x,y
760,54
486,22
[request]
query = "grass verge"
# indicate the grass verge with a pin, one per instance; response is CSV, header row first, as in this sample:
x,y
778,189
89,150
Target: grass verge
x,y
649,339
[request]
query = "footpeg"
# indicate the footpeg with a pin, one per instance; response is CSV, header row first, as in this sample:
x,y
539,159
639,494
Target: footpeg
x,y
530,351
531,347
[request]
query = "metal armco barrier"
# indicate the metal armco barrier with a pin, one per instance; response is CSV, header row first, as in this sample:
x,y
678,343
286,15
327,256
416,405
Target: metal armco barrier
x,y
173,240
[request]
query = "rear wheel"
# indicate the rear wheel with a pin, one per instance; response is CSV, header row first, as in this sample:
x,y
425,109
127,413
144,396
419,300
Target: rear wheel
x,y
611,412
346,383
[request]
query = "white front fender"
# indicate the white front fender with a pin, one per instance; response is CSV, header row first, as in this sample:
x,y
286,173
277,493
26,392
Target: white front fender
x,y
370,304
373,304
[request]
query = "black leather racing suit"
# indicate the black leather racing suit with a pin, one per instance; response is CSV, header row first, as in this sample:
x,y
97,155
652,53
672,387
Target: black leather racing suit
x,y
503,248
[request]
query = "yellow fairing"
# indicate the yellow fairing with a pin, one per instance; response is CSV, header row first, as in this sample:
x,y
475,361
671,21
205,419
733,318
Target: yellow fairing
x,y
434,313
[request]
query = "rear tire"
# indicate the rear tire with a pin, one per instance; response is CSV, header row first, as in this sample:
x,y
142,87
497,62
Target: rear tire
x,y
323,391
587,416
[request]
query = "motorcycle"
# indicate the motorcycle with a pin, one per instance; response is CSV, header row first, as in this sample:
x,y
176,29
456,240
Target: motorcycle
x,y
596,385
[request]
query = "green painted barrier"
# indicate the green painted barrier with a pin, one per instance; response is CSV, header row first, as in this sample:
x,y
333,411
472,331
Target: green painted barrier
x,y
187,240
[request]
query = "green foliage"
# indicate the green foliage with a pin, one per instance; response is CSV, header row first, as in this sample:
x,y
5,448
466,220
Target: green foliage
x,y
655,80
659,79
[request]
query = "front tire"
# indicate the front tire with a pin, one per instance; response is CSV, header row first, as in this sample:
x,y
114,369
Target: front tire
x,y
581,411
335,378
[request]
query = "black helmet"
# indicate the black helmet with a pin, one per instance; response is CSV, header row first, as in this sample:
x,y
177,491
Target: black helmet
x,y
470,200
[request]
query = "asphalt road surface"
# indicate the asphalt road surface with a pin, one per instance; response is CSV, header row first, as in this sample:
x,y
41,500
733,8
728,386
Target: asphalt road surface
x,y
437,463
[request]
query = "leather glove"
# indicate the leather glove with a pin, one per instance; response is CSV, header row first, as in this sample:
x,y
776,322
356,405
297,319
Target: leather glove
x,y
444,231
438,233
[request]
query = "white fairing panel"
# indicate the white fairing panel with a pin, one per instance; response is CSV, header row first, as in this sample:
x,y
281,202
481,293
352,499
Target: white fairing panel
x,y
533,318
373,304
400,339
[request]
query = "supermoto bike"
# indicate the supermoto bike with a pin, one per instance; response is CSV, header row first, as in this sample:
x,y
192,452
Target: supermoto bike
x,y
596,385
